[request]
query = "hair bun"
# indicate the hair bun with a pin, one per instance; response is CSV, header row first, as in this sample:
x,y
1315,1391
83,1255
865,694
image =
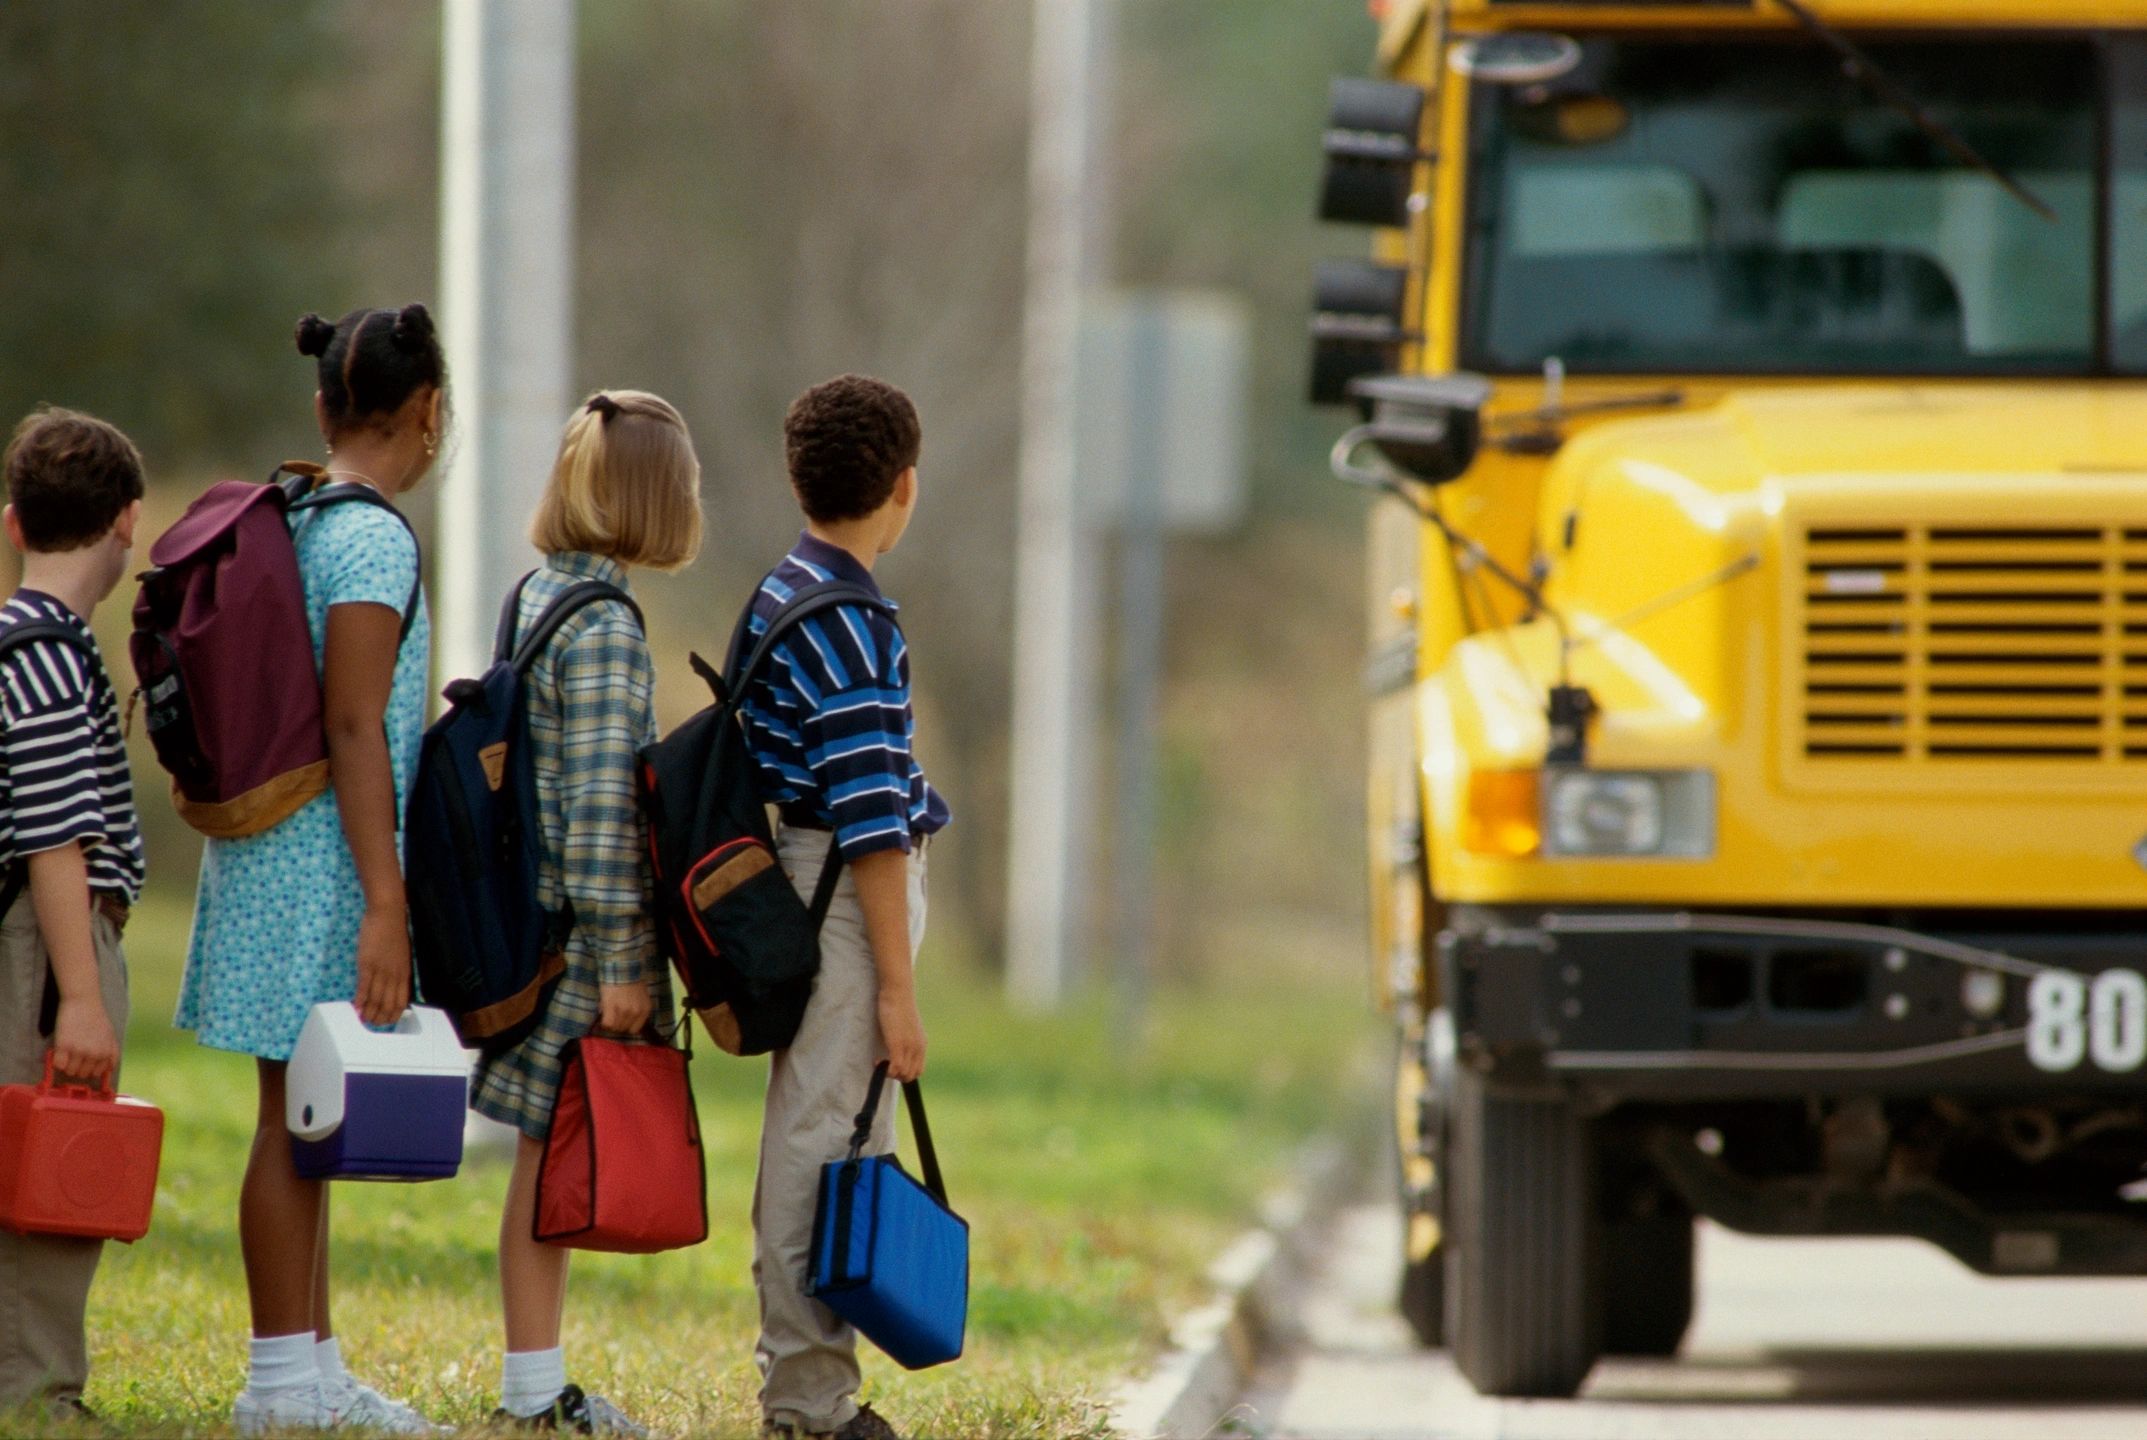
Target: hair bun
x,y
413,327
314,334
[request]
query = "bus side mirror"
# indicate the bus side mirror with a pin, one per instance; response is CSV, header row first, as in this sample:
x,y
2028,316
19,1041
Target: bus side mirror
x,y
1357,325
1426,428
1372,150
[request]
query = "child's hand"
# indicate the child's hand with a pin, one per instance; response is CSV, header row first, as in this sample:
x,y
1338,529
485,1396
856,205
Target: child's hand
x,y
383,965
624,1009
83,1044
902,1028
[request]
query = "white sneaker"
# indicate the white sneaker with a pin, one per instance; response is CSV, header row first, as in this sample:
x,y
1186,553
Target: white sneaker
x,y
297,1407
361,1407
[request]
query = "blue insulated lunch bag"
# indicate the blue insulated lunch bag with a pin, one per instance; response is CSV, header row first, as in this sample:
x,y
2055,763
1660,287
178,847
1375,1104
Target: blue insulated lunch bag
x,y
888,1255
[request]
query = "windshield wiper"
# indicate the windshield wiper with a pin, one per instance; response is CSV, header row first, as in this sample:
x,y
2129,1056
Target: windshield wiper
x,y
1861,68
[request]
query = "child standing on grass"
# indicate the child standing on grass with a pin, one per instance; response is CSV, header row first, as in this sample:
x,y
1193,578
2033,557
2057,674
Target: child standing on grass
x,y
830,726
70,848
312,909
625,491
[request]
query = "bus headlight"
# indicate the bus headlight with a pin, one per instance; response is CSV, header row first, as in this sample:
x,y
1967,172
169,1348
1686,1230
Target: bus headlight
x,y
1629,812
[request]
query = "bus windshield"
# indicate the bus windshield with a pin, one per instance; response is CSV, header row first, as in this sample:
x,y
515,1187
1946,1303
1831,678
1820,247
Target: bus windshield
x,y
1743,206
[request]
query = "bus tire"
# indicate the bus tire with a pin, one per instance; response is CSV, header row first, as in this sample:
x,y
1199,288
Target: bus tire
x,y
1521,1313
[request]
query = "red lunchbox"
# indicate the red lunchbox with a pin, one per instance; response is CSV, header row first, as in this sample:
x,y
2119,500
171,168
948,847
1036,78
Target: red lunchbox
x,y
77,1161
623,1170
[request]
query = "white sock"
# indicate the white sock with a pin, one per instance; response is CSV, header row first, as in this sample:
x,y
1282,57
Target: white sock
x,y
530,1380
282,1362
328,1354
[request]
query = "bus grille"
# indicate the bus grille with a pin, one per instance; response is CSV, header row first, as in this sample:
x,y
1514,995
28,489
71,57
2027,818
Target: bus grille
x,y
1947,643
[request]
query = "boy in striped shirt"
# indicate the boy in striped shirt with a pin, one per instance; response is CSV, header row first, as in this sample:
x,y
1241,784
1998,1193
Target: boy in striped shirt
x,y
70,846
830,726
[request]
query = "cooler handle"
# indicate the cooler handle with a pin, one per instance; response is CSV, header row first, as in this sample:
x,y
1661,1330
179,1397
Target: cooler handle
x,y
74,1089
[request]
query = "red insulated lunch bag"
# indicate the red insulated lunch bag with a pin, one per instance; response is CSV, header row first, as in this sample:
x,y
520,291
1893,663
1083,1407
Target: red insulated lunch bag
x,y
622,1168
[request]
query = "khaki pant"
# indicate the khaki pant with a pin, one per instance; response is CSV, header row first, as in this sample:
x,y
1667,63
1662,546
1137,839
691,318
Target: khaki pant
x,y
808,1357
44,1279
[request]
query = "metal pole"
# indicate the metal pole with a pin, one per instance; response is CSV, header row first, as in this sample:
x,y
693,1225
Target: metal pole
x,y
1140,663
507,296
1055,551
506,313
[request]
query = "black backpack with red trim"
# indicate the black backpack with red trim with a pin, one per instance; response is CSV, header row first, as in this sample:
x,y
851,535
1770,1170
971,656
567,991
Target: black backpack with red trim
x,y
745,944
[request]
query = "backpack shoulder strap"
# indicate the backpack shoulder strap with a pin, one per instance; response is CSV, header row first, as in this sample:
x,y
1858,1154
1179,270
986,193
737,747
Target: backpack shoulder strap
x,y
557,611
510,618
804,603
24,632
304,492
29,632
12,638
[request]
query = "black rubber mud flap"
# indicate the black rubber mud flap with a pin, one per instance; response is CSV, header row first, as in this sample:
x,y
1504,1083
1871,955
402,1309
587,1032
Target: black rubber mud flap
x,y
1647,1286
1421,1296
1422,1301
1522,1315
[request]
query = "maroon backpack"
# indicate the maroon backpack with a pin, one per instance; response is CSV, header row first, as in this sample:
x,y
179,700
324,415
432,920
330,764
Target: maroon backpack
x,y
224,656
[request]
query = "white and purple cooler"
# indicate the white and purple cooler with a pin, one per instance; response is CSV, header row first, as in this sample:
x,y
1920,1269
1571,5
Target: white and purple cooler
x,y
365,1104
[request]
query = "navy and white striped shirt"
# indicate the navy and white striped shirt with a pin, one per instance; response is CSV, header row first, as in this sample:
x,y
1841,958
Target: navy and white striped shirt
x,y
63,758
829,719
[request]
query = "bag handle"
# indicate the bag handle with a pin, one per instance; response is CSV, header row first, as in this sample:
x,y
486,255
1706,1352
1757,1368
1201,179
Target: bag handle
x,y
104,1087
913,1097
303,491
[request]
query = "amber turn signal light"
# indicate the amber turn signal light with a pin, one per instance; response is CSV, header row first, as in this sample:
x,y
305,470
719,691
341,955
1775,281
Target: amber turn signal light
x,y
1503,816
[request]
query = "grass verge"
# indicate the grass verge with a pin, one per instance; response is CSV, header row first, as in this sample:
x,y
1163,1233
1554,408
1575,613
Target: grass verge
x,y
1098,1180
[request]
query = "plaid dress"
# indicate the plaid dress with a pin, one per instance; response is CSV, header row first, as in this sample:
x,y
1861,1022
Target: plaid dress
x,y
590,697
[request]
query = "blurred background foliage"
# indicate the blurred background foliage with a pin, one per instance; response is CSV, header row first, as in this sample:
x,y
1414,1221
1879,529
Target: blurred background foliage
x,y
769,193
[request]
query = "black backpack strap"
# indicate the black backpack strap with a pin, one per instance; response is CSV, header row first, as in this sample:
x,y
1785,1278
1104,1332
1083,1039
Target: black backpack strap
x,y
17,877
303,491
557,611
804,603
13,638
510,616
24,632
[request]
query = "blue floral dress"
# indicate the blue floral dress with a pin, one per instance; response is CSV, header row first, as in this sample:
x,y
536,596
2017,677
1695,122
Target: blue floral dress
x,y
276,920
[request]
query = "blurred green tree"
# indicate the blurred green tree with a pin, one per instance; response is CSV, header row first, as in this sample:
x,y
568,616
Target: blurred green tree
x,y
172,207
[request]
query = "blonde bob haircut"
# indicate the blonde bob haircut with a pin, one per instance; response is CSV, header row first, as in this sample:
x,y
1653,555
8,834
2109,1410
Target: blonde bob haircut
x,y
626,484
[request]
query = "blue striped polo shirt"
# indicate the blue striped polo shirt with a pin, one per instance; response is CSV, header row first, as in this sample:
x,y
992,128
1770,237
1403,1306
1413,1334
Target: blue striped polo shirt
x,y
63,760
829,719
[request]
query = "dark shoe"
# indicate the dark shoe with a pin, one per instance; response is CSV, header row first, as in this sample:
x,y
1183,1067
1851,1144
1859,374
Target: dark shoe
x,y
578,1413
866,1424
69,1410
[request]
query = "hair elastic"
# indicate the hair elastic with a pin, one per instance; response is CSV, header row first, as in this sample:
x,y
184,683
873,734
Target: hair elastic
x,y
605,406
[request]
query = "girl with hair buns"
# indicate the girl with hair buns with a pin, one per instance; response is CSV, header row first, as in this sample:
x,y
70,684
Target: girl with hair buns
x,y
312,909
624,492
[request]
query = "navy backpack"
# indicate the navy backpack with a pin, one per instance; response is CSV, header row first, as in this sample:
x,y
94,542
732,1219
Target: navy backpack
x,y
486,952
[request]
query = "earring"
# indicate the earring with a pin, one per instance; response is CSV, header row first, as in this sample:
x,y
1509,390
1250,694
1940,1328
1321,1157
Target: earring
x,y
432,444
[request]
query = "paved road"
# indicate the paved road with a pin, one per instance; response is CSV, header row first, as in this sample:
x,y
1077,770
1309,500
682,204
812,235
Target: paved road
x,y
1795,1340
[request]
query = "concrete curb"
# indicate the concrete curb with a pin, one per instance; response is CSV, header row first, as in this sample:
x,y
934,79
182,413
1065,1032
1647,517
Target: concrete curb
x,y
1213,1351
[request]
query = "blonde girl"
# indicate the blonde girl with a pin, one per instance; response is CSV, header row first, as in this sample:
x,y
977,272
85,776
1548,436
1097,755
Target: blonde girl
x,y
625,492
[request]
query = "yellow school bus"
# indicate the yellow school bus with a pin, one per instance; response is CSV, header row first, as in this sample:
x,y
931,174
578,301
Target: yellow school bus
x,y
1751,392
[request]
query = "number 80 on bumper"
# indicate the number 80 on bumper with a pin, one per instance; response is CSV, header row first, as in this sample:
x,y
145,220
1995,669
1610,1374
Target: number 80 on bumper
x,y
2074,1018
